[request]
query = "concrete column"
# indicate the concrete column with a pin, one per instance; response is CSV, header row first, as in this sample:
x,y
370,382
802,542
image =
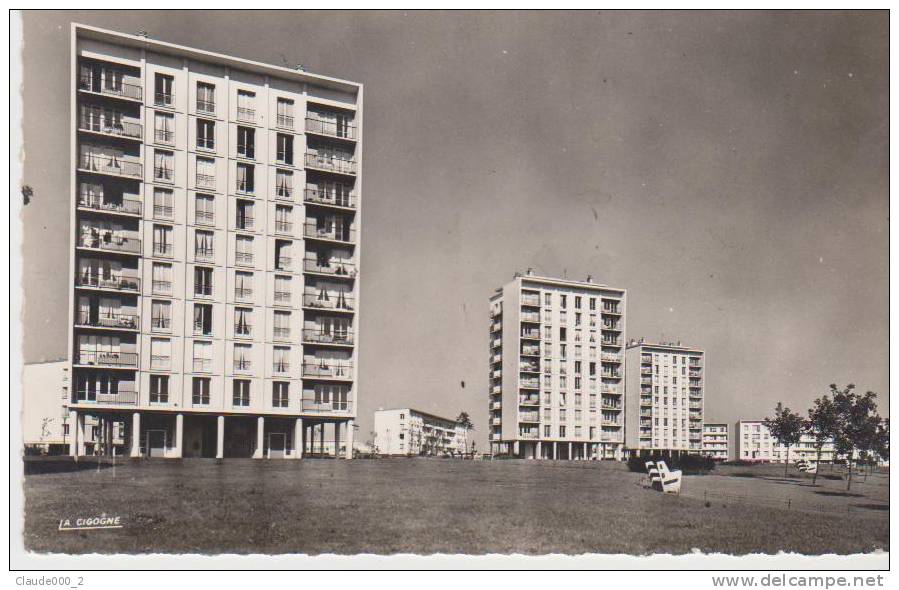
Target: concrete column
x,y
80,429
220,439
298,439
515,448
336,440
260,438
179,436
135,434
539,452
73,433
570,451
586,456
321,439
555,451
349,438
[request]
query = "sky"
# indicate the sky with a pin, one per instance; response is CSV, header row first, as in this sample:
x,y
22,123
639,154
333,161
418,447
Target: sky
x,y
729,169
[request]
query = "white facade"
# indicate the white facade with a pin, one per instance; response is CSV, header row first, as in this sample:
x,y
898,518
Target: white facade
x,y
715,441
556,377
665,397
755,443
215,248
406,431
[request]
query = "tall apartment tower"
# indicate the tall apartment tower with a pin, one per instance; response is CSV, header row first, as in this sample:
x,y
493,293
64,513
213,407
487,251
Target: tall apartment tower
x,y
215,246
665,399
557,369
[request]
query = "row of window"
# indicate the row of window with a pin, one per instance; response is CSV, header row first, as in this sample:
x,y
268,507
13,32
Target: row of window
x,y
607,324
204,242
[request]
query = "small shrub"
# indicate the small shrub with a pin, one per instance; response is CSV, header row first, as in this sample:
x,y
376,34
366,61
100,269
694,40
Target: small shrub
x,y
689,464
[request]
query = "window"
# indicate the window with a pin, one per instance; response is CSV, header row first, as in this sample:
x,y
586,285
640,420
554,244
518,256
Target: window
x,y
241,392
246,178
205,209
577,301
242,357
331,396
593,304
162,240
202,357
284,183
244,250
243,285
164,90
203,319
280,390
160,353
159,389
244,215
283,219
285,113
561,432
162,278
281,325
163,203
202,281
164,127
284,151
205,97
161,315
547,431
282,289
163,166
283,258
281,358
246,106
206,173
205,134
563,301
243,321
246,142
201,391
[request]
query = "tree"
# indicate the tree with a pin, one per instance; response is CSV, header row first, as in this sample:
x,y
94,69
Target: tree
x,y
822,425
858,425
464,420
786,428
883,440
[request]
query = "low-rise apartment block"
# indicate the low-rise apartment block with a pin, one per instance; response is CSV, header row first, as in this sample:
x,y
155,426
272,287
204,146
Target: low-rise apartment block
x,y
755,443
715,441
406,431
556,382
665,398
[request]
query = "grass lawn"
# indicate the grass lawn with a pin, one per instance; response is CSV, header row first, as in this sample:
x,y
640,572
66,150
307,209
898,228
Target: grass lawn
x,y
439,506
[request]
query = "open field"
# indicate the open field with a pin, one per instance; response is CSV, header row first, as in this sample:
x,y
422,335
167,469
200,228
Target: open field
x,y
445,506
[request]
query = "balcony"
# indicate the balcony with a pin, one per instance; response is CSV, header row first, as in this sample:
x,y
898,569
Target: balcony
x,y
333,406
282,297
281,334
331,301
329,369
283,263
330,163
245,114
607,357
163,174
244,222
283,227
205,181
343,235
531,318
108,319
528,400
203,289
111,243
204,218
243,258
122,396
611,342
320,336
529,367
206,107
242,365
117,126
527,434
530,300
114,283
284,121
611,327
106,358
527,350
163,136
496,405
529,383
340,130
530,334
281,367
101,164
202,365
331,198
163,249
129,206
338,268
114,84
162,287
528,417
242,329
163,99
611,310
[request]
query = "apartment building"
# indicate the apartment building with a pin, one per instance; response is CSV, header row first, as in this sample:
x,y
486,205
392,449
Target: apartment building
x,y
556,377
215,246
406,431
755,443
714,441
665,398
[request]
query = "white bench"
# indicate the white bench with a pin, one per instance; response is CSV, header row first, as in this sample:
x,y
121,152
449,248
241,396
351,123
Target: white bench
x,y
806,466
663,479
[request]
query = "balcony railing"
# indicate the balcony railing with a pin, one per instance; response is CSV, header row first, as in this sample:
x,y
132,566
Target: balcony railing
x,y
528,434
109,165
108,319
111,243
162,287
242,365
310,404
164,174
119,88
162,249
163,211
325,300
242,329
244,222
245,114
281,333
163,99
204,218
122,396
114,126
318,335
244,186
332,128
528,400
206,106
284,121
337,267
118,283
313,230
126,205
244,258
280,367
204,254
283,263
202,365
530,383
528,417
160,361
532,334
164,136
205,181
106,358
284,192
282,297
203,289
530,300
331,163
530,350
283,227
243,293
328,369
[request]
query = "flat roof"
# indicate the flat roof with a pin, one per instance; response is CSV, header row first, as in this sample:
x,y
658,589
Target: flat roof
x,y
139,42
679,347
567,283
413,410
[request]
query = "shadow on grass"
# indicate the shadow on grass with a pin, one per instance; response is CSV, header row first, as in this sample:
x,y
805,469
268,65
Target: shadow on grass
x,y
840,494
885,507
41,465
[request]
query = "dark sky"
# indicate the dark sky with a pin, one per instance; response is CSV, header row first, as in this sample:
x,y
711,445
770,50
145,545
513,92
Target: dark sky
x,y
730,170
